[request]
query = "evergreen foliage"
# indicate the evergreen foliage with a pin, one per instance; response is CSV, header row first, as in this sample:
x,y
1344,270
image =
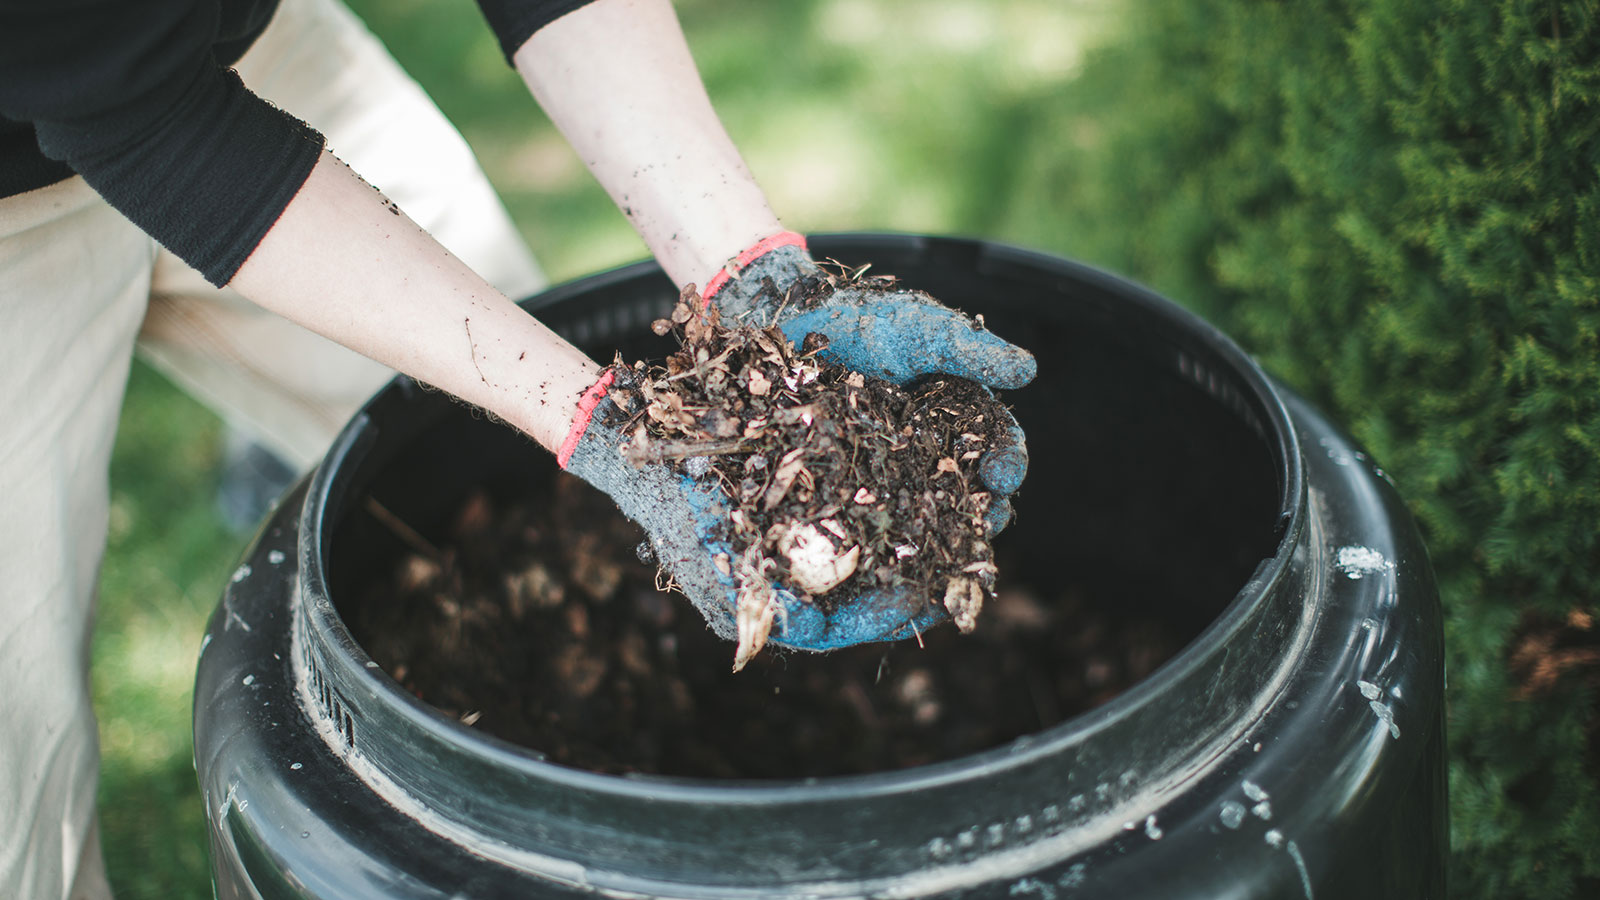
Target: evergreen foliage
x,y
1395,204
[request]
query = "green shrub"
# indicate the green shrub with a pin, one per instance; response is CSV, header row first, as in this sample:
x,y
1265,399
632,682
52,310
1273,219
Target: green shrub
x,y
1396,206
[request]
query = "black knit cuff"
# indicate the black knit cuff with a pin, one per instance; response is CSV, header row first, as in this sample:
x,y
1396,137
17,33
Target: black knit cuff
x,y
514,21
207,178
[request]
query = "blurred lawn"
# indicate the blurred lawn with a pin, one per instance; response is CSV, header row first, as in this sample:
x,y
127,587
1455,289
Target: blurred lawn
x,y
915,115
166,558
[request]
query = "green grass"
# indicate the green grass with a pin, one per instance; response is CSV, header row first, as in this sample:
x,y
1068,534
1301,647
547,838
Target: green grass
x,y
910,115
166,559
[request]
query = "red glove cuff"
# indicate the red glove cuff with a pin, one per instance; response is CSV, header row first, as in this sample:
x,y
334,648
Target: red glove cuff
x,y
580,422
727,272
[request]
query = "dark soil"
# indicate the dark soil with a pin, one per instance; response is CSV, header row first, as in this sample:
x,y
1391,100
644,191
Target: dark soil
x,y
535,621
838,484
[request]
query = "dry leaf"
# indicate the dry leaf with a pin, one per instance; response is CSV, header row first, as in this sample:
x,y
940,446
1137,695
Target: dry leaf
x,y
783,478
755,607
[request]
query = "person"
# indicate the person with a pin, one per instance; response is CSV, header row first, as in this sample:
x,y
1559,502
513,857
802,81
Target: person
x,y
158,189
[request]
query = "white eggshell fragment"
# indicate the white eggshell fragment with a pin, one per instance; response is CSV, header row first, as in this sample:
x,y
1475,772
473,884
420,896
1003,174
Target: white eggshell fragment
x,y
816,564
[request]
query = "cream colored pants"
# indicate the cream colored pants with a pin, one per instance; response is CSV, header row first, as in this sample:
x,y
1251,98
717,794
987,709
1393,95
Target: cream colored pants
x,y
80,287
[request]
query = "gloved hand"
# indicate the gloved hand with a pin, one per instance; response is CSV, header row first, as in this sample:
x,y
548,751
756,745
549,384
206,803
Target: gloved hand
x,y
686,521
896,334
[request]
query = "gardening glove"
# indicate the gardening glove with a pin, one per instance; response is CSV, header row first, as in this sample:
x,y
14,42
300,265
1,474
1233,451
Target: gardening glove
x,y
874,328
685,517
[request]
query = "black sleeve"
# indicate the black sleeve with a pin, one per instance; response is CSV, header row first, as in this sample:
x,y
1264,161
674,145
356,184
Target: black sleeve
x,y
130,94
514,21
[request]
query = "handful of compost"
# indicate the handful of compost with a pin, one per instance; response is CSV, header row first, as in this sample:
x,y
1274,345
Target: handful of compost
x,y
792,498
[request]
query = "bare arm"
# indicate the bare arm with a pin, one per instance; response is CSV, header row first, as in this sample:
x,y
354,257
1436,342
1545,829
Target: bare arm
x,y
348,264
617,79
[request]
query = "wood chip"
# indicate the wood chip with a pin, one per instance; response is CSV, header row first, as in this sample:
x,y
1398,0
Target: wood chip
x,y
783,478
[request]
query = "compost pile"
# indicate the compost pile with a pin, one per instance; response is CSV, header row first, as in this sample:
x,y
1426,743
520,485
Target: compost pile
x,y
838,484
527,615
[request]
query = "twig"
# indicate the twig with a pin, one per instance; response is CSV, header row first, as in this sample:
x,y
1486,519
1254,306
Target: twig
x,y
404,532
663,451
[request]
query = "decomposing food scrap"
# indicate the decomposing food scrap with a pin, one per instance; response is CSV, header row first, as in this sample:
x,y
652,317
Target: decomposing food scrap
x,y
838,484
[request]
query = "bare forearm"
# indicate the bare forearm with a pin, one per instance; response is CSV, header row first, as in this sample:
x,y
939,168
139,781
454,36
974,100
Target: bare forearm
x,y
617,79
346,263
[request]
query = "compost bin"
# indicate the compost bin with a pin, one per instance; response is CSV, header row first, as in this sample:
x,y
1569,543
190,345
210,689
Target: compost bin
x,y
1220,673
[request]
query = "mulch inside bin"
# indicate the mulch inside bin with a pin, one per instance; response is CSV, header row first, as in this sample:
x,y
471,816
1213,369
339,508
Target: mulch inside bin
x,y
536,621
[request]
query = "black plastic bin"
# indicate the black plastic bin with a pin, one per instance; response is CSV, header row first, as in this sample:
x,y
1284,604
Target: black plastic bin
x,y
1294,746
